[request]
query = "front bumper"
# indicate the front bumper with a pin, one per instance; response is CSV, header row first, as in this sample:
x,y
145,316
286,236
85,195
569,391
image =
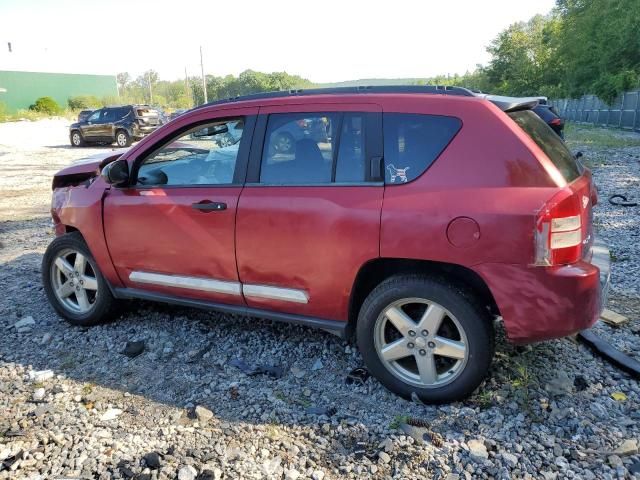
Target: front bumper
x,y
541,303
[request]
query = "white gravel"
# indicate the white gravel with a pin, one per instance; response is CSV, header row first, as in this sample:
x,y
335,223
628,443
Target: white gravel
x,y
546,411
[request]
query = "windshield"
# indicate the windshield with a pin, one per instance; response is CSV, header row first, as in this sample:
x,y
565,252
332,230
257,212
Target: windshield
x,y
550,143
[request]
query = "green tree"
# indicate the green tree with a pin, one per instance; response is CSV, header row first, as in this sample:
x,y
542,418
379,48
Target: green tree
x,y
46,105
599,46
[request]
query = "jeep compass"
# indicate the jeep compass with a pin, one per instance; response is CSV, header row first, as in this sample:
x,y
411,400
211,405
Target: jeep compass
x,y
409,218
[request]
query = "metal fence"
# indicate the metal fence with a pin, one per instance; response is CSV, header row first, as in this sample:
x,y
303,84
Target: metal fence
x,y
624,112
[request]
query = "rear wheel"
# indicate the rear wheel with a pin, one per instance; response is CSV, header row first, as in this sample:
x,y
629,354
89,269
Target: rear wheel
x,y
122,138
425,336
73,284
76,139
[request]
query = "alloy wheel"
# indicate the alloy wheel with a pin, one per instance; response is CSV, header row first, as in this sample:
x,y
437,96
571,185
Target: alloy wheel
x,y
74,281
421,343
122,139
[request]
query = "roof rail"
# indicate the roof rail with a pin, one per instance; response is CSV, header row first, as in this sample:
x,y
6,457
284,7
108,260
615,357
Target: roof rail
x,y
431,89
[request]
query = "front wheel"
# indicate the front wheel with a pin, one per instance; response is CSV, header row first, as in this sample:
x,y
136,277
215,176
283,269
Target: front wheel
x,y
73,284
425,336
76,139
123,139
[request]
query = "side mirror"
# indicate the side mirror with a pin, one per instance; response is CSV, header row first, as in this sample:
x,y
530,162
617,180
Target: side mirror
x,y
116,173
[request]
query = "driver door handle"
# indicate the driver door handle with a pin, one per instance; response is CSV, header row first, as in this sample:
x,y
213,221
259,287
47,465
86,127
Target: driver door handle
x,y
209,206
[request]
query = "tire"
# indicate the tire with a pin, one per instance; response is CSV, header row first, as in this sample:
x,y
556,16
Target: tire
x,y
75,137
284,143
123,139
460,349
64,290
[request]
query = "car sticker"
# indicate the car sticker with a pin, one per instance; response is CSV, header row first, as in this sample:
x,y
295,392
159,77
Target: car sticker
x,y
400,173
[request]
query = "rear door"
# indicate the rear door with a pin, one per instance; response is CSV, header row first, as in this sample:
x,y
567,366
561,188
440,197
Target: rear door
x,y
309,215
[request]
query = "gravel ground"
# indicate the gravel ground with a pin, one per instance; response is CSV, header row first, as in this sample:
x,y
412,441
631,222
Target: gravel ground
x,y
73,405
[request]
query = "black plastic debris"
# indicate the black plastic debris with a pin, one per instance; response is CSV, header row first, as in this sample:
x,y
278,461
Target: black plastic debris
x,y
152,459
328,411
125,469
206,475
360,450
580,383
616,357
273,371
8,462
133,349
357,376
619,200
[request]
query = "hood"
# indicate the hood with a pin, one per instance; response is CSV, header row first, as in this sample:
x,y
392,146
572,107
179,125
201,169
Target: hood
x,y
90,165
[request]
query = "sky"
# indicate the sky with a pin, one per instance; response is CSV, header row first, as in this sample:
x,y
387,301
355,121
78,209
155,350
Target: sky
x,y
326,41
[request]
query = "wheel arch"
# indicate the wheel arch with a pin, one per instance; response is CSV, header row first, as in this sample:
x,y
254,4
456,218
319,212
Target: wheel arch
x,y
377,270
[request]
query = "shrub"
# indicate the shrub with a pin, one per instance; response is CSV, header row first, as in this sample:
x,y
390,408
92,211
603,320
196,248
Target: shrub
x,y
46,105
81,102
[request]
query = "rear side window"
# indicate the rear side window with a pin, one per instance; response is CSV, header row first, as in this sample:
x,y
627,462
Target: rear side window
x,y
549,142
412,142
314,148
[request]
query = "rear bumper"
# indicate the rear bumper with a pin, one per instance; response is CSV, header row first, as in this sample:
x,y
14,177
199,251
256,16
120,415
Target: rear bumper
x,y
541,303
139,131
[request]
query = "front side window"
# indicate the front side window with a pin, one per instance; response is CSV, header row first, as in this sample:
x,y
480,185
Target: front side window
x,y
314,148
95,116
205,155
412,142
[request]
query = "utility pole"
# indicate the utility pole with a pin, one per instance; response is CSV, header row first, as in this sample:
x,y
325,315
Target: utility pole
x,y
187,89
204,81
150,92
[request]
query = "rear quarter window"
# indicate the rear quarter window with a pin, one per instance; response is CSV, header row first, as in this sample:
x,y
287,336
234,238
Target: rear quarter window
x,y
412,142
549,142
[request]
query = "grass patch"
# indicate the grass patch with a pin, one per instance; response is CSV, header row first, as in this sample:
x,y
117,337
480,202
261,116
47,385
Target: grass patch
x,y
33,115
599,137
397,421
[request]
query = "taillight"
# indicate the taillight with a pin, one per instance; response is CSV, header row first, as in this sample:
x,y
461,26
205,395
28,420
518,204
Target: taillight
x,y
555,121
559,230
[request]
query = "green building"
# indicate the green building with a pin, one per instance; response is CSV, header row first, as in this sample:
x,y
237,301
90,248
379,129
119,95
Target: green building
x,y
18,90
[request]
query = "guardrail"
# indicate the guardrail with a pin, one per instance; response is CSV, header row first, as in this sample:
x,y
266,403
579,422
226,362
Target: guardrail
x,y
623,113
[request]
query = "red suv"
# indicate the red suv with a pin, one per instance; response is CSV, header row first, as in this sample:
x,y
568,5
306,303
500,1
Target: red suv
x,y
416,219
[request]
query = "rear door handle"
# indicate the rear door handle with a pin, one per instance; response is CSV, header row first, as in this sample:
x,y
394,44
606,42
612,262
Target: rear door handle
x,y
209,206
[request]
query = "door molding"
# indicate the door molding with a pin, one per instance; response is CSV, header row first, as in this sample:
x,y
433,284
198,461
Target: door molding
x,y
275,293
220,286
181,281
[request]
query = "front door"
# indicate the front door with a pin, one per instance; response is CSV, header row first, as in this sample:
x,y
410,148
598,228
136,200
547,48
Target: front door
x,y
93,129
172,231
309,215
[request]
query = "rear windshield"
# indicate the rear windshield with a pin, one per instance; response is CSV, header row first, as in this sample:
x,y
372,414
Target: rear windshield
x,y
146,112
545,113
550,143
